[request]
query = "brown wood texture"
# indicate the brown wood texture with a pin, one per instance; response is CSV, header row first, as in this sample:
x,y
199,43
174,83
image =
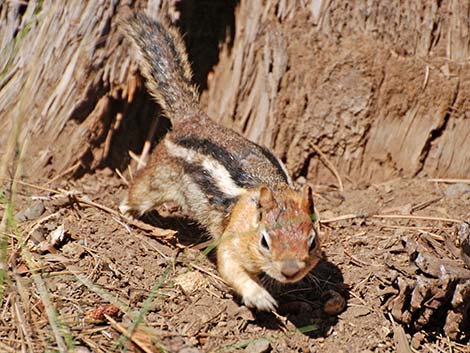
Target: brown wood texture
x,y
67,82
380,87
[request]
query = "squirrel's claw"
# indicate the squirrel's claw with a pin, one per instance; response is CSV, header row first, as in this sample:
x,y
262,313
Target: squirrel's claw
x,y
260,299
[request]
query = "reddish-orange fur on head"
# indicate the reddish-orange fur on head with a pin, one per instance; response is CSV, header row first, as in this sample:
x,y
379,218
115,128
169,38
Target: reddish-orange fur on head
x,y
270,232
287,236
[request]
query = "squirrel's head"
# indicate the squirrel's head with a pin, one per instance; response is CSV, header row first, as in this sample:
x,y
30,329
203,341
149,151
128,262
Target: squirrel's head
x,y
288,240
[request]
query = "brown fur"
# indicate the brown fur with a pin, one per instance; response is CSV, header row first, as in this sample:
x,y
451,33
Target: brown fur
x,y
241,258
236,189
170,81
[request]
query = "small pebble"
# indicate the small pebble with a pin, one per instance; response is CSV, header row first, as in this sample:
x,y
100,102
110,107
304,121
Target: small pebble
x,y
176,344
32,212
334,302
81,349
37,237
261,345
418,337
457,190
189,350
73,249
245,314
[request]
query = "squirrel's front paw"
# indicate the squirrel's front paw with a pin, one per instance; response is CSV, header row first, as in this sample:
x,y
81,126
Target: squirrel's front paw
x,y
260,299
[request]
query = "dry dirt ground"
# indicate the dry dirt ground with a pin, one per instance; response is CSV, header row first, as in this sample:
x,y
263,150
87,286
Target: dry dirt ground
x,y
108,275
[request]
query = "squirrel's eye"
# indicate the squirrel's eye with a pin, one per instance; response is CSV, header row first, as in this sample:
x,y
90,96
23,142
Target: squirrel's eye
x,y
312,243
265,240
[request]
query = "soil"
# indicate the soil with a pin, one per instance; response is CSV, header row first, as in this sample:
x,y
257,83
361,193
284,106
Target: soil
x,y
105,264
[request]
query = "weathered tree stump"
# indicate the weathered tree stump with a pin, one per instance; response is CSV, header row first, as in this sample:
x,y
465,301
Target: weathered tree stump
x,y
381,88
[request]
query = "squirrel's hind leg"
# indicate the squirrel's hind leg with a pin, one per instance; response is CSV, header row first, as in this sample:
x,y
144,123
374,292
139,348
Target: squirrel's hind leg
x,y
157,183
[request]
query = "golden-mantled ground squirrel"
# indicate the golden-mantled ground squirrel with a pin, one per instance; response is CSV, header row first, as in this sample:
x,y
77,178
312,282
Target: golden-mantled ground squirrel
x,y
239,191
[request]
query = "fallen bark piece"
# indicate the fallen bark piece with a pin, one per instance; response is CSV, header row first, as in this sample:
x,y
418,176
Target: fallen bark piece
x,y
460,310
433,292
464,240
397,306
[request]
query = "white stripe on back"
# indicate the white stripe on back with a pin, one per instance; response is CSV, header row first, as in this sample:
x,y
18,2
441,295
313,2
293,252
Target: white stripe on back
x,y
216,170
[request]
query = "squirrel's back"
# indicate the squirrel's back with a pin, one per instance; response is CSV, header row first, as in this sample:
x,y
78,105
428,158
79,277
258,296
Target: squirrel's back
x,y
195,139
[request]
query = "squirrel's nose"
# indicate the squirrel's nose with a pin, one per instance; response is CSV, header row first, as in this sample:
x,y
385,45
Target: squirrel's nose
x,y
291,268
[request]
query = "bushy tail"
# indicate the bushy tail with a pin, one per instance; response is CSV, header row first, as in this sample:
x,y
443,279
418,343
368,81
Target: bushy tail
x,y
164,63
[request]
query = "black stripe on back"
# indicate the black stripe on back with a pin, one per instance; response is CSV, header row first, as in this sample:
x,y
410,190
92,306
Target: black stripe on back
x,y
228,161
207,184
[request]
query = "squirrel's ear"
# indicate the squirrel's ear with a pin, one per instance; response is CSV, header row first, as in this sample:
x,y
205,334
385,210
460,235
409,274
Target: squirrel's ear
x,y
307,199
266,198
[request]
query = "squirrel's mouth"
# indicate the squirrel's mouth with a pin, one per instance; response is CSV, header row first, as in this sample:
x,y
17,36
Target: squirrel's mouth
x,y
285,272
283,279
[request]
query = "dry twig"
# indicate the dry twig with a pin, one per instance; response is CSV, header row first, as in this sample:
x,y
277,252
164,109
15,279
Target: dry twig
x,y
67,171
37,187
123,178
401,342
329,165
390,216
134,337
147,144
155,231
137,159
355,260
342,218
425,218
450,181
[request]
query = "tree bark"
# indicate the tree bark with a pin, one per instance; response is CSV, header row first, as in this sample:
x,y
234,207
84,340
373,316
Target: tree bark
x,y
69,86
381,88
